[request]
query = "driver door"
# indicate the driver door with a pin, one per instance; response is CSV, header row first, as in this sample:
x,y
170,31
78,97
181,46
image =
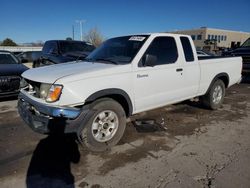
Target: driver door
x,y
158,78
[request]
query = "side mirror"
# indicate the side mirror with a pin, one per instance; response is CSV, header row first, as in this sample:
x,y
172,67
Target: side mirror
x,y
24,61
150,60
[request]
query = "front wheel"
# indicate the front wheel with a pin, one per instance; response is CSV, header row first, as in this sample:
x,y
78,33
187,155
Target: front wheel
x,y
105,127
215,96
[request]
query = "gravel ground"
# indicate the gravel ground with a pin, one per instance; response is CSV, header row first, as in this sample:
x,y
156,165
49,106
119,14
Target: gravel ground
x,y
183,146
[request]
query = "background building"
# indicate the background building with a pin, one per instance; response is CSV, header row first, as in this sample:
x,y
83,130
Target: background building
x,y
215,38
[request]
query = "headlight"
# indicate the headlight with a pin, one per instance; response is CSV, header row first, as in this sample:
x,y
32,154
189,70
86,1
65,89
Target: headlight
x,y
54,93
44,90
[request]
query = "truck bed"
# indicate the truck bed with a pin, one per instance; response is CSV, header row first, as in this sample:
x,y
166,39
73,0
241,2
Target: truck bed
x,y
214,65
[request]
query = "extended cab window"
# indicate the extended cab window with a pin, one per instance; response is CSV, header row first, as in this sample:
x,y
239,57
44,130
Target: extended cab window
x,y
162,50
187,49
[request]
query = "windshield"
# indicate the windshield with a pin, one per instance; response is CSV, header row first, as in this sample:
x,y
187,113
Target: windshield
x,y
246,43
7,58
76,47
120,50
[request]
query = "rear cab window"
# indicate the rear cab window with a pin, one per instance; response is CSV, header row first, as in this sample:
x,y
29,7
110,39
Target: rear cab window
x,y
187,49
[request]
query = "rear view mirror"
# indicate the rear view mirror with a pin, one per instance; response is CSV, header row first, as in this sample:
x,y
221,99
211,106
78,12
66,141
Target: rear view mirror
x,y
150,60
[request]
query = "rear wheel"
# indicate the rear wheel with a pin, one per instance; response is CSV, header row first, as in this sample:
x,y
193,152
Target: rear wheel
x,y
215,96
105,127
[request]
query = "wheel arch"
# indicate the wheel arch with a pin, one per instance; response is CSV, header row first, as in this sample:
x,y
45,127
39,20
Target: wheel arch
x,y
222,76
118,95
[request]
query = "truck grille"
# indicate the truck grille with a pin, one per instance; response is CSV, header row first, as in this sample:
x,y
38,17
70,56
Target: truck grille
x,y
9,83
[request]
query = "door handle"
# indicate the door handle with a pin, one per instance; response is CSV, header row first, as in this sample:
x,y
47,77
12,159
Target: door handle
x,y
179,70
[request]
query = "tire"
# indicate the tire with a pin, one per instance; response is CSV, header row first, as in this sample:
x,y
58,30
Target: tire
x,y
215,96
105,127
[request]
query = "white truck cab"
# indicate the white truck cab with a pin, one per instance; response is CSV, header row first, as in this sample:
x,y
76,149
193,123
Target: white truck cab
x,y
124,76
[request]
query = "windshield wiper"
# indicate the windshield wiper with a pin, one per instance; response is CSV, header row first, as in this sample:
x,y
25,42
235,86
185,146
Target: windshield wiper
x,y
108,60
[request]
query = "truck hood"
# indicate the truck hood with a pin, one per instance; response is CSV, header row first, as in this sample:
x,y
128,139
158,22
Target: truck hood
x,y
51,73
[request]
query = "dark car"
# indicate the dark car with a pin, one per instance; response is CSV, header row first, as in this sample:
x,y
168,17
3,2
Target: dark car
x,y
201,53
61,51
244,52
29,56
10,74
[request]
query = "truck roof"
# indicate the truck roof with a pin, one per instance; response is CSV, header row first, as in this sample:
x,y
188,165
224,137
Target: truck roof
x,y
154,34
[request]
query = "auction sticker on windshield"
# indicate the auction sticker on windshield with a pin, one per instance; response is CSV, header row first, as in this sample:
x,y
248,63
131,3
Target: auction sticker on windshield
x,y
137,38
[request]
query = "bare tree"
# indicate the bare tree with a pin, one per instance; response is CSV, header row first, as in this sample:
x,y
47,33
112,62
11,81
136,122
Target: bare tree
x,y
94,37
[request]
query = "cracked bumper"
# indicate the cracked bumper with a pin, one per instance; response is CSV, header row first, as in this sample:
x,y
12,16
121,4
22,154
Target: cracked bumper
x,y
46,119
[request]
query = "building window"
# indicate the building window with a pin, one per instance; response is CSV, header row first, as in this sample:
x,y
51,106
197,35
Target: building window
x,y
215,37
209,37
193,37
199,37
212,37
219,38
222,38
225,38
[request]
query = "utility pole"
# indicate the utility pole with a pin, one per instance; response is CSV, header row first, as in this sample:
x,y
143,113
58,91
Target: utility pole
x,y
81,23
73,32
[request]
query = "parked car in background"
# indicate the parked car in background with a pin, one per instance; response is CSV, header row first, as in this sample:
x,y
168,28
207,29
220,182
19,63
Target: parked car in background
x,y
10,74
61,51
244,52
124,76
29,56
16,52
201,53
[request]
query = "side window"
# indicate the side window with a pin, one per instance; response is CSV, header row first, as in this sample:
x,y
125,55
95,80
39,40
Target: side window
x,y
187,49
162,50
49,47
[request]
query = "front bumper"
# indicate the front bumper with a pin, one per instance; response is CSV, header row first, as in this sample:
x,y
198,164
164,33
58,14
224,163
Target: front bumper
x,y
46,119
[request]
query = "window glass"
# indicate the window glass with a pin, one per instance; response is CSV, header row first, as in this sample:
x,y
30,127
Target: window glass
x,y
49,47
187,48
6,58
246,43
164,49
209,37
73,46
121,50
225,37
193,37
199,37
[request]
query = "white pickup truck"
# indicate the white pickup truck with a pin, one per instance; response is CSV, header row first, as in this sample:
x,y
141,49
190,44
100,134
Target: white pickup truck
x,y
124,76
